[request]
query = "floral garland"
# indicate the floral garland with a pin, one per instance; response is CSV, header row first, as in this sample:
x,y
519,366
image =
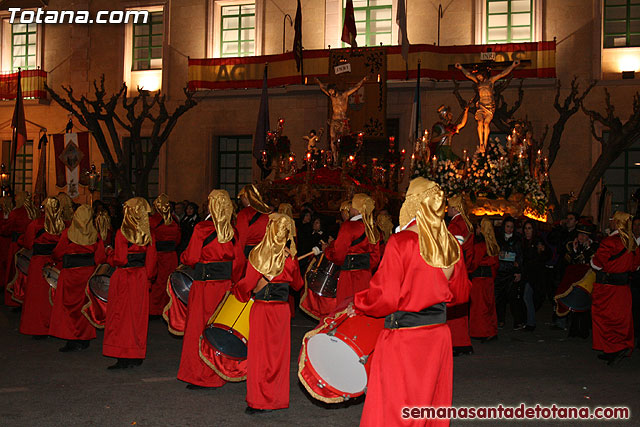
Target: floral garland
x,y
490,174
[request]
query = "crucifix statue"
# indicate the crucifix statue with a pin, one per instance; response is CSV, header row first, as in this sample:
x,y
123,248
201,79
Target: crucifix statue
x,y
339,105
486,105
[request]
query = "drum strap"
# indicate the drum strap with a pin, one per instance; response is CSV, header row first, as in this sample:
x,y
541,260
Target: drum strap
x,y
433,315
618,255
273,292
254,218
212,237
359,239
15,235
78,260
40,232
248,249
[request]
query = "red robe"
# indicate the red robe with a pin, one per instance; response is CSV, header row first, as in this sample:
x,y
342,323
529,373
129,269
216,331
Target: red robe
x,y
351,282
250,235
483,320
167,261
67,321
15,225
611,304
458,317
412,366
125,331
204,298
269,348
36,310
5,242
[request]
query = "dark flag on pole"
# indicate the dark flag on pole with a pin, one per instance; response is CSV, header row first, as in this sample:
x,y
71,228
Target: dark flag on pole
x,y
262,126
19,127
41,180
349,31
297,39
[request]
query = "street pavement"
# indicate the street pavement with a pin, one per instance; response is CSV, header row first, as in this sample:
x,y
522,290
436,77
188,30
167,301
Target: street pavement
x,y
40,386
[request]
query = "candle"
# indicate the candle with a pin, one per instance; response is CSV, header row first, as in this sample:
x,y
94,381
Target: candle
x,y
434,161
378,78
305,80
413,160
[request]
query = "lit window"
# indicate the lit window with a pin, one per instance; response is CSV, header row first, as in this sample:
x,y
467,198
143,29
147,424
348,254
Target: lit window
x,y
153,184
23,46
621,23
147,43
24,164
238,28
373,22
509,21
622,177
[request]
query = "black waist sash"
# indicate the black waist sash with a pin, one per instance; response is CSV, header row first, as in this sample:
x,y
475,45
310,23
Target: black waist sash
x,y
482,271
43,248
356,262
77,260
165,246
434,315
618,279
135,260
273,292
220,270
248,249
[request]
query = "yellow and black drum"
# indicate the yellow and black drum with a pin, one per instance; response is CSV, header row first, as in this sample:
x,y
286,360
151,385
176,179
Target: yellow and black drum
x,y
228,330
577,295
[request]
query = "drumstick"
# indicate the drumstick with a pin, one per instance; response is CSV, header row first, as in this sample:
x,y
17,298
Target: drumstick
x,y
305,255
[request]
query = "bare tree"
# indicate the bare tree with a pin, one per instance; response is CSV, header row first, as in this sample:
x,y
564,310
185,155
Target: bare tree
x,y
100,113
621,136
566,109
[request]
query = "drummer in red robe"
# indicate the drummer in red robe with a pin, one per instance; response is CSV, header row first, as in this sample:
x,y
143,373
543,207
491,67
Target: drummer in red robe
x,y
252,220
217,259
41,236
458,316
14,227
102,221
271,271
483,320
617,256
356,249
421,275
134,256
166,232
79,250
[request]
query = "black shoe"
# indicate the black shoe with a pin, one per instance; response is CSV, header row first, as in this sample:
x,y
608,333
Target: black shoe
x,y
252,411
518,327
605,356
120,364
462,351
616,357
530,328
487,339
40,337
135,362
199,387
77,345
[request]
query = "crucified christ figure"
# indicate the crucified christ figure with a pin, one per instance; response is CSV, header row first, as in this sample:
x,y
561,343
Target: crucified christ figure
x,y
339,104
486,105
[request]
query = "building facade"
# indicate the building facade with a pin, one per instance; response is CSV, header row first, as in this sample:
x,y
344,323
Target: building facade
x,y
211,144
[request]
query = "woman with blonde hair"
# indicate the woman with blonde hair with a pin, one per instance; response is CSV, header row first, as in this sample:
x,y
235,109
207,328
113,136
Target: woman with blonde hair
x,y
134,257
41,236
77,253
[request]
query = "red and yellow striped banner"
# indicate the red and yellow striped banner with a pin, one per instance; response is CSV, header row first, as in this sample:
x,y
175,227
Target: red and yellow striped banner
x,y
32,82
436,62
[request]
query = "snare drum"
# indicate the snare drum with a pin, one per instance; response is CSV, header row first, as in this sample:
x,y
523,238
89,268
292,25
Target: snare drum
x,y
181,281
322,277
50,274
228,332
335,357
23,259
99,281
